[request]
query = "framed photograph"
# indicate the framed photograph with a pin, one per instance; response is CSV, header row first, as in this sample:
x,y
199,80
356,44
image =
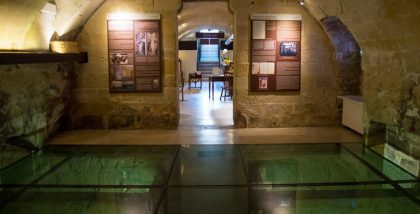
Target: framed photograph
x,y
152,43
288,49
119,58
155,83
141,44
116,72
262,82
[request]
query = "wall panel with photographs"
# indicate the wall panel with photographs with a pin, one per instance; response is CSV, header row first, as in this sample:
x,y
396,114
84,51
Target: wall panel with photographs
x,y
275,52
134,56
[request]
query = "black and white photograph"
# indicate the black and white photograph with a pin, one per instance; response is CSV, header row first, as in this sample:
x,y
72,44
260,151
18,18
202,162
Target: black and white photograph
x,y
288,49
117,72
119,58
152,43
141,44
263,83
155,83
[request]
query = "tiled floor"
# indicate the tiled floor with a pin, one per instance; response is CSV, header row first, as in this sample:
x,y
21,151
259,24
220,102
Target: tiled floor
x,y
285,178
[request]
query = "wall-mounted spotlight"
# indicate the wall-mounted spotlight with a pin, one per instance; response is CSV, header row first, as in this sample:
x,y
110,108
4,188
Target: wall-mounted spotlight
x,y
302,2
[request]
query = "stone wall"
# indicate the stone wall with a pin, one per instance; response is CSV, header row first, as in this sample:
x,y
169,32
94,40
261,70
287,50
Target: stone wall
x,y
33,99
347,54
387,32
315,104
96,107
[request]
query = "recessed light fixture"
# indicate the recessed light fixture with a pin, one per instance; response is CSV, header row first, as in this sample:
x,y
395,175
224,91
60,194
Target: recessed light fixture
x,y
302,2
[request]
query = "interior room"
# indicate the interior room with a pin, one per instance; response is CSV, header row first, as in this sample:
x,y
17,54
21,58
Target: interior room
x,y
209,106
205,51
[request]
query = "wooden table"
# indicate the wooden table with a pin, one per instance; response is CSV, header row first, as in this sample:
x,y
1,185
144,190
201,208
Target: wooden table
x,y
216,78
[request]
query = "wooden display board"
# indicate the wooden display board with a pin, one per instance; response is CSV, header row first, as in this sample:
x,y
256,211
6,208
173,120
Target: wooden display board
x,y
134,55
275,52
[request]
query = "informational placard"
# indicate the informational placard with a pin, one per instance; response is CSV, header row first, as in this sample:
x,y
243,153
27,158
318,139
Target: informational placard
x,y
134,55
275,52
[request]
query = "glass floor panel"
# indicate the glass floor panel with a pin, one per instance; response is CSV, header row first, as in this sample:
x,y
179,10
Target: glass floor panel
x,y
6,194
145,165
383,165
208,165
220,200
71,201
30,168
412,187
300,178
382,199
10,154
304,163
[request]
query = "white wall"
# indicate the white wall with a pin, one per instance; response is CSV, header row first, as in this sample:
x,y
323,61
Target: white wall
x,y
189,61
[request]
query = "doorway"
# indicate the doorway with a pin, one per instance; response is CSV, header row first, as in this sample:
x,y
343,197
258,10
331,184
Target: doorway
x,y
201,37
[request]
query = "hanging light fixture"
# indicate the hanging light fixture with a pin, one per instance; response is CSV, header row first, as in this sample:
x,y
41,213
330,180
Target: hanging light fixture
x,y
302,2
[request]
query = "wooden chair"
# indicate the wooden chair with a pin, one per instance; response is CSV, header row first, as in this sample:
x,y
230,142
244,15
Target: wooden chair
x,y
227,88
195,78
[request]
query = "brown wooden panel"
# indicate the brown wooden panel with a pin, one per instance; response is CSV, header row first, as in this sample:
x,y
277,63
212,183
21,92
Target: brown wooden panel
x,y
288,82
263,58
264,53
269,45
148,83
288,35
127,35
257,44
146,26
288,68
134,56
120,25
288,24
121,44
281,71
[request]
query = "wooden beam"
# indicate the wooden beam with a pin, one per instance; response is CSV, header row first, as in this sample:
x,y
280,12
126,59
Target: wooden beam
x,y
8,58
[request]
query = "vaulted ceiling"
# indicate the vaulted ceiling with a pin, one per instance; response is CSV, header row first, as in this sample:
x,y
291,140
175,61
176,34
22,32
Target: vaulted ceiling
x,y
197,15
384,24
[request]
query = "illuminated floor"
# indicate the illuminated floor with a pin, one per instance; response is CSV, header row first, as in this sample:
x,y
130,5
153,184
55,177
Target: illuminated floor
x,y
287,178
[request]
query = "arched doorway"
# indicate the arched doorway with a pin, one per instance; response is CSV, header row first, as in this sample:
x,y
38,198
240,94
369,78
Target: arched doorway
x,y
205,41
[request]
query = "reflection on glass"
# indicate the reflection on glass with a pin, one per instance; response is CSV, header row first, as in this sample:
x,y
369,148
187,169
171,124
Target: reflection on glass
x,y
289,164
29,169
332,199
145,165
208,165
206,200
386,167
63,201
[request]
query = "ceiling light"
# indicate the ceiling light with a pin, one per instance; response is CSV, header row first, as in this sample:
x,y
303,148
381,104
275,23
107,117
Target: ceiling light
x,y
302,2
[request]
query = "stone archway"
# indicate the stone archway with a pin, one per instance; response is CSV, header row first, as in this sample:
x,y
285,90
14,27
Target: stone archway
x,y
347,55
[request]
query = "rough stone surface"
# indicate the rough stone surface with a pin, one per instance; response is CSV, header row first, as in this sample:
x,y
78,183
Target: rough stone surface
x,y
315,104
347,55
98,108
33,100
